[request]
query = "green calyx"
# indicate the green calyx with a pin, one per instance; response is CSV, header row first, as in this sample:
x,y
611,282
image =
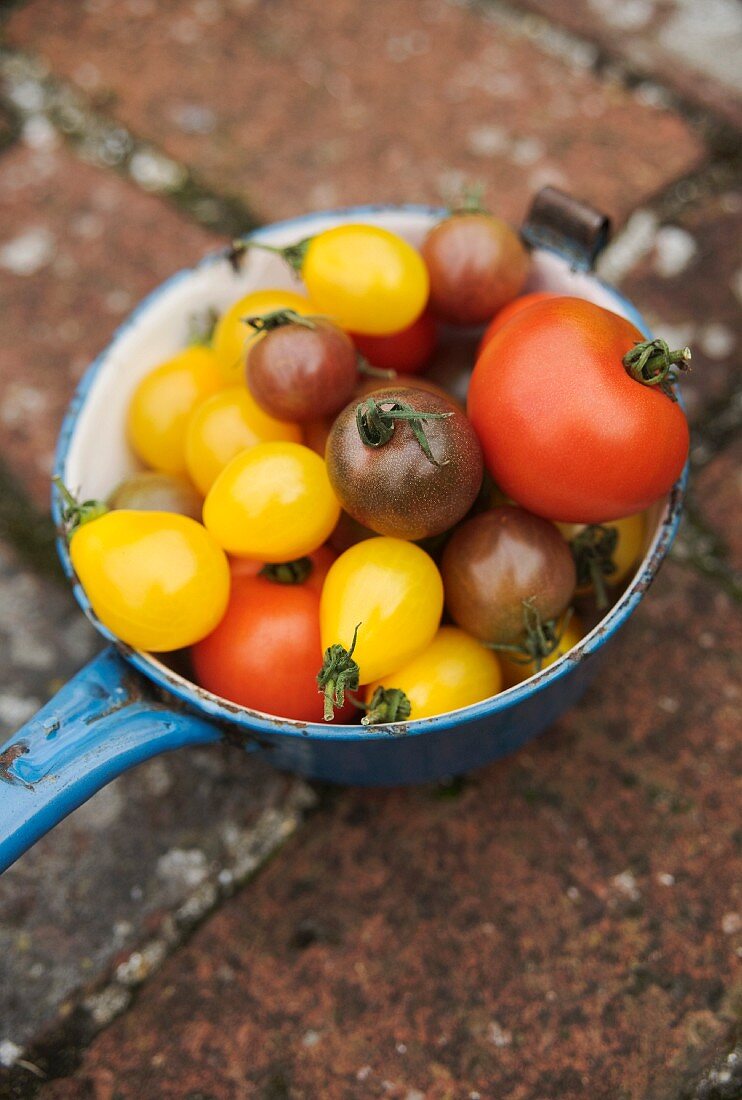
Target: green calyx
x,y
277,318
651,363
339,673
201,328
364,367
293,254
76,513
387,705
470,201
593,549
288,572
375,423
539,639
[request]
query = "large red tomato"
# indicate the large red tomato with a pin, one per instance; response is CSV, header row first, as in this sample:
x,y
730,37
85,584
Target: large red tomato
x,y
503,315
266,651
566,431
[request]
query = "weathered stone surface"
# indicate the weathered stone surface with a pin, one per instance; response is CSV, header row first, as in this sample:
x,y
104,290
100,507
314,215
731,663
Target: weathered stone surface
x,y
686,45
684,277
564,925
106,879
298,106
718,497
78,248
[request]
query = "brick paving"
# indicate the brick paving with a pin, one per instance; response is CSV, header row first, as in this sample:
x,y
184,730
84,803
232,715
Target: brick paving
x,y
564,924
304,105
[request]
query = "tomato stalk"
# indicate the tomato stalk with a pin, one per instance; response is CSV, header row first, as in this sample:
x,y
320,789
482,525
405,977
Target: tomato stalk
x,y
75,513
339,673
376,424
201,327
651,363
540,638
471,201
294,254
277,318
364,367
593,549
288,572
387,705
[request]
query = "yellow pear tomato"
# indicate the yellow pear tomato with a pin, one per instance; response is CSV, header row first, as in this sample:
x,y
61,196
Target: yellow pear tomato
x,y
392,591
454,671
369,280
273,503
233,338
222,426
157,580
163,402
569,633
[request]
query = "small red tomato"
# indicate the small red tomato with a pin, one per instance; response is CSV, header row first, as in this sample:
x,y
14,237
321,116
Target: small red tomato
x,y
407,351
476,263
266,650
310,571
567,429
512,309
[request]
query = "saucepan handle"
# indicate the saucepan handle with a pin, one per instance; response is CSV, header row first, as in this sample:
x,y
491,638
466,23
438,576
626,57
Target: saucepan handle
x,y
564,224
104,721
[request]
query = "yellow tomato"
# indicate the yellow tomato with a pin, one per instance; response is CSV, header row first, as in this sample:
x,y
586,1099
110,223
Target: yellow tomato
x,y
222,426
626,554
273,503
233,338
163,402
515,672
394,591
454,671
367,279
157,580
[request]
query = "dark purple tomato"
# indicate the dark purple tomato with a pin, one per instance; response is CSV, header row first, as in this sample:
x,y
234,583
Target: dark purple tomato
x,y
303,370
500,560
150,491
401,475
477,263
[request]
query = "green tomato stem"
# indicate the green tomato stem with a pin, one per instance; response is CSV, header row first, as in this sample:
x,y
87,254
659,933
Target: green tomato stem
x,y
593,550
651,363
387,705
277,318
376,424
76,513
364,367
339,673
293,254
288,572
540,638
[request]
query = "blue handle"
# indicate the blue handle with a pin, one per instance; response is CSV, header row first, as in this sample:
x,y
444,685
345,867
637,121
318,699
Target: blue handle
x,y
102,722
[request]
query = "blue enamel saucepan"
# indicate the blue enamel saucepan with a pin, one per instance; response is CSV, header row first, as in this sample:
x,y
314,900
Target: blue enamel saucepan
x,y
127,706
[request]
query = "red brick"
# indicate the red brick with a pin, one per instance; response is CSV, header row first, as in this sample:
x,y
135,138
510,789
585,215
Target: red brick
x,y
718,497
79,247
296,106
691,48
564,927
688,285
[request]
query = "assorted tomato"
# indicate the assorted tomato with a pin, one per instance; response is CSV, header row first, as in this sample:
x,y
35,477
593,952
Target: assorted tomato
x,y
327,530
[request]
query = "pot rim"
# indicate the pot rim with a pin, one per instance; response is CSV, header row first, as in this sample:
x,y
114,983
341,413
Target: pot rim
x,y
255,722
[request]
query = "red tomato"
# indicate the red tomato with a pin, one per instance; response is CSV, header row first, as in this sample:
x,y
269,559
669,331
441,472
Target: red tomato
x,y
321,559
266,650
511,310
407,351
566,431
